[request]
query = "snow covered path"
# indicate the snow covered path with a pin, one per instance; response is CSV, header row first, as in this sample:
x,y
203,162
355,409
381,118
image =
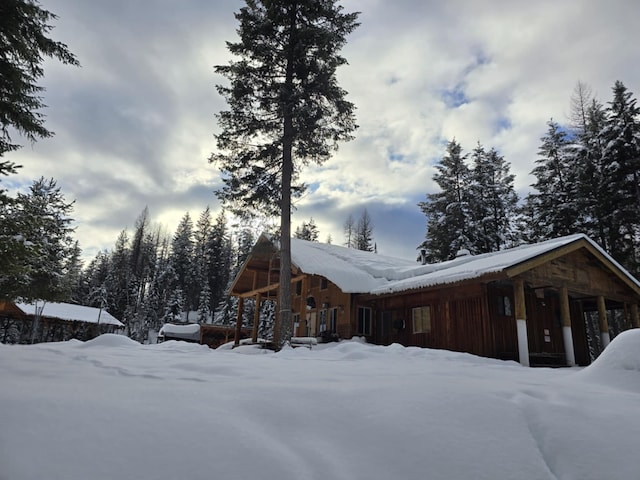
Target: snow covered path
x,y
112,408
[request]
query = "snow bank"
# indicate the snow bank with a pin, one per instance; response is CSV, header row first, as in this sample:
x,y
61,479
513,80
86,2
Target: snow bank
x,y
110,340
618,365
342,411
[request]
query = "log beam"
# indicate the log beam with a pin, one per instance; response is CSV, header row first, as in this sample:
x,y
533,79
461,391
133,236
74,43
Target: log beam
x,y
521,321
236,340
635,319
567,335
602,320
256,318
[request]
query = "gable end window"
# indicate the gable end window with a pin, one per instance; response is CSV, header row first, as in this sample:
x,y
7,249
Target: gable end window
x,y
421,319
364,321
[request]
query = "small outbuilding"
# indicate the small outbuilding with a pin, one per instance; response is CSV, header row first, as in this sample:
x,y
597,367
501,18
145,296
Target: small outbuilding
x,y
53,322
556,302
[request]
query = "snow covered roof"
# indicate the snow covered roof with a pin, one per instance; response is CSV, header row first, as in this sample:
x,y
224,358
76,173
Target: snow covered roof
x,y
190,331
355,271
71,312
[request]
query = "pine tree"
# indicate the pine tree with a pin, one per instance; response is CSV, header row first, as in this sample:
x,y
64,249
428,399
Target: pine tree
x,y
447,211
621,139
220,267
364,232
307,231
555,200
286,110
24,44
182,261
42,223
494,202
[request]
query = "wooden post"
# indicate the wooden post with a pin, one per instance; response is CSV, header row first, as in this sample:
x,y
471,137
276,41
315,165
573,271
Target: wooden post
x,y
256,318
567,335
635,320
236,340
521,321
604,324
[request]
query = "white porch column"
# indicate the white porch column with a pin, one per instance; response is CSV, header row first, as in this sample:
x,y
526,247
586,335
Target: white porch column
x,y
521,321
567,335
604,324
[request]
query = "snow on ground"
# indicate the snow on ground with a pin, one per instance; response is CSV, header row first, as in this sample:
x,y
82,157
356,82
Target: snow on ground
x,y
111,408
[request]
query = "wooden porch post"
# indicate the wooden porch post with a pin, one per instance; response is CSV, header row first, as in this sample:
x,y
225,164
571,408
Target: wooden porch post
x,y
635,320
236,340
521,321
604,324
256,318
567,335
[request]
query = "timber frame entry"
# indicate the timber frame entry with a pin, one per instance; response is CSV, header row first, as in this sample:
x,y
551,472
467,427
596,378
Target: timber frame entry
x,y
558,308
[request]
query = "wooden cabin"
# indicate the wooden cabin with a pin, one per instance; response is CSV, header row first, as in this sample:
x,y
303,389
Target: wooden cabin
x,y
53,322
552,303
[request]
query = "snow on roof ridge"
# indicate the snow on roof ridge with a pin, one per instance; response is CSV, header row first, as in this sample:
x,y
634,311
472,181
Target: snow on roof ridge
x,y
361,271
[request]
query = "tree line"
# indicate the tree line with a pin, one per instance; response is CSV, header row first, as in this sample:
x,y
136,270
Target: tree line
x,y
587,180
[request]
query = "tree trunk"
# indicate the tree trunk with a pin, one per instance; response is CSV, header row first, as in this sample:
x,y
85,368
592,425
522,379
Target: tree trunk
x,y
284,331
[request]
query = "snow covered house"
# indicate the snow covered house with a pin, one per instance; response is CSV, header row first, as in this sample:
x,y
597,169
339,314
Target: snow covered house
x,y
552,303
53,322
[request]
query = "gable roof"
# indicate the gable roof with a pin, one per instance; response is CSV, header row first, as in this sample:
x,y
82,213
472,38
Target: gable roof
x,y
355,271
70,312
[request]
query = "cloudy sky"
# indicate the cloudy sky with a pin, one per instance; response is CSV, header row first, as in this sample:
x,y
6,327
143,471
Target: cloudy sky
x,y
134,125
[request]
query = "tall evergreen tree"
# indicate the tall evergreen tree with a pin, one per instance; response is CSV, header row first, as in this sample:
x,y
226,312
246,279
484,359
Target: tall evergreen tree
x,y
307,231
447,211
24,44
364,232
494,202
621,139
182,261
286,110
43,225
555,199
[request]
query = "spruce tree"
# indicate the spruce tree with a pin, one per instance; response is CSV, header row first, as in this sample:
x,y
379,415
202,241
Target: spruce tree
x,y
24,44
494,202
307,231
554,202
364,232
621,139
43,244
286,110
447,211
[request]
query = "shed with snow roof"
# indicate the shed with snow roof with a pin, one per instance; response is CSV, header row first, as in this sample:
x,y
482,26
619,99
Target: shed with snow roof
x,y
53,322
556,302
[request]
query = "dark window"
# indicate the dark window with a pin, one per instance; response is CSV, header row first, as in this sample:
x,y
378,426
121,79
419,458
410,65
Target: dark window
x,y
299,287
364,321
324,283
504,306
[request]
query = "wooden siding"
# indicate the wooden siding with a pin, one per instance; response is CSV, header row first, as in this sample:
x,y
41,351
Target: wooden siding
x,y
459,319
311,286
582,274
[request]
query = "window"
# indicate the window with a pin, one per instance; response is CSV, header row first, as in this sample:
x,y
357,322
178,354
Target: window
x,y
299,287
333,320
421,319
364,321
323,321
296,324
504,306
324,283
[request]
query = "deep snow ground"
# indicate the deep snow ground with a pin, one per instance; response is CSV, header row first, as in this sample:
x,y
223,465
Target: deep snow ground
x,y
113,409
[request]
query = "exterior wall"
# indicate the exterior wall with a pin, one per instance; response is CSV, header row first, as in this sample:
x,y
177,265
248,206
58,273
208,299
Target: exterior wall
x,y
315,297
459,319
